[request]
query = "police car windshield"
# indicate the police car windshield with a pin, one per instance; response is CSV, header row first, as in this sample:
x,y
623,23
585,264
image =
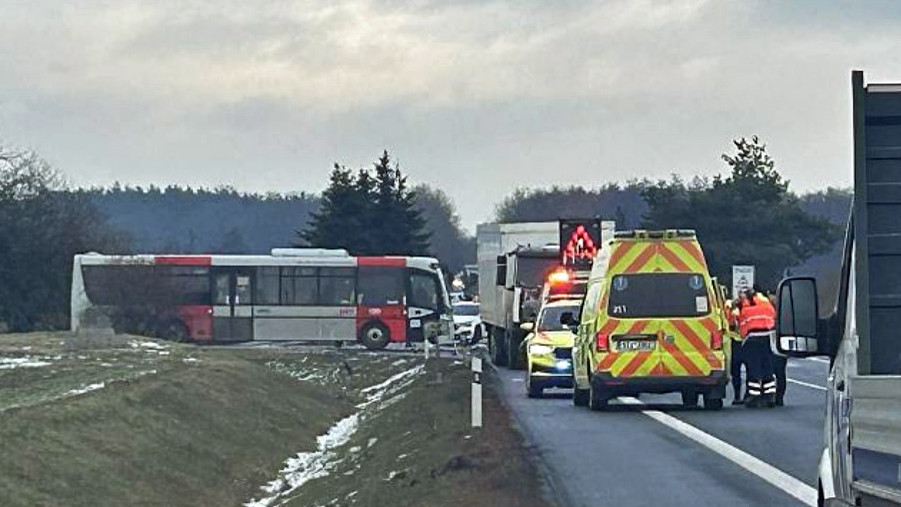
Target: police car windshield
x,y
551,315
648,295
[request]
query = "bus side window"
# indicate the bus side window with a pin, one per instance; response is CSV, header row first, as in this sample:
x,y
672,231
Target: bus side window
x,y
336,286
299,286
380,286
267,286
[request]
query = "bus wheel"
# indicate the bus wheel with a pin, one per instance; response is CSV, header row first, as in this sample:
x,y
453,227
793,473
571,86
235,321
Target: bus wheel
x,y
374,336
174,331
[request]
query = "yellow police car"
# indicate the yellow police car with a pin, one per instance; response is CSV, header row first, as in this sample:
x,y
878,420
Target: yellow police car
x,y
651,323
549,346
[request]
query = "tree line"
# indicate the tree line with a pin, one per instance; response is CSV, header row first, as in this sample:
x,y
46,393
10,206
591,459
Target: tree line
x,y
745,215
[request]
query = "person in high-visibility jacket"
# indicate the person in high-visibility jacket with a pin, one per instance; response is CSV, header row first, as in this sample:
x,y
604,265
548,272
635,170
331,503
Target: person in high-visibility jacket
x,y
757,320
737,358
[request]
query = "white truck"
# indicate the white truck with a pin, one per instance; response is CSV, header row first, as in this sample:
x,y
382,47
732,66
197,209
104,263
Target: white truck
x,y
513,261
860,463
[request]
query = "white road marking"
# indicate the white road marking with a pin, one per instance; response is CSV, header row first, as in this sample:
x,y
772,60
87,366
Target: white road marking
x,y
805,384
765,471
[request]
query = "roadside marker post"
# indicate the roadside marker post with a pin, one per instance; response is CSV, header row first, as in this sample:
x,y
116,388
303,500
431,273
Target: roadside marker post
x,y
476,392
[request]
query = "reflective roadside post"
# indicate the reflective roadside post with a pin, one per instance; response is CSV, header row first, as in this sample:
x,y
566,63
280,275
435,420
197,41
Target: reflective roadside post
x,y
476,392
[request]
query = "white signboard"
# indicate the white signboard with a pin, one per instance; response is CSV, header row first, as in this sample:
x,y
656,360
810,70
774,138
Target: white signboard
x,y
742,277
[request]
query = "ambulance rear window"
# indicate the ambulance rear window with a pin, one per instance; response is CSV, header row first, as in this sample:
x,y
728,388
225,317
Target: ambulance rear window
x,y
650,295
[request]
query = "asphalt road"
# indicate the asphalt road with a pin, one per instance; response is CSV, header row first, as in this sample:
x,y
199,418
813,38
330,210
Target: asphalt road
x,y
652,451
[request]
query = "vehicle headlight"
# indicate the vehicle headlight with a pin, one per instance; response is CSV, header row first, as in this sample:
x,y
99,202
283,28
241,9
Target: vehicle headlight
x,y
539,349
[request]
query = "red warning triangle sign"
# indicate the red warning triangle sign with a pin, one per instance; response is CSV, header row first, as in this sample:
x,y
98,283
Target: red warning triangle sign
x,y
579,247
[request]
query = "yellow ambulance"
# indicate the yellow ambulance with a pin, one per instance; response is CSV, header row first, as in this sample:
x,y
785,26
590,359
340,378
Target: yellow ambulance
x,y
651,323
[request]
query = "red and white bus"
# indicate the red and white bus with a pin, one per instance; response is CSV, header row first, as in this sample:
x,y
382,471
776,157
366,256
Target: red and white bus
x,y
292,294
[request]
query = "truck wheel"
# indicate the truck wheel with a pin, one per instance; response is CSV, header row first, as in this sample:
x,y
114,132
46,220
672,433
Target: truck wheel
x,y
515,359
711,403
496,348
690,399
374,336
580,397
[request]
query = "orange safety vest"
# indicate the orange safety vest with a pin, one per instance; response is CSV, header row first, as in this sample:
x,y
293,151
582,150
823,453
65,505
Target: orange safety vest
x,y
760,316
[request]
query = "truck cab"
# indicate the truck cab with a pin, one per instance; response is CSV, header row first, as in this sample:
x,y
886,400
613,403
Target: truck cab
x,y
860,463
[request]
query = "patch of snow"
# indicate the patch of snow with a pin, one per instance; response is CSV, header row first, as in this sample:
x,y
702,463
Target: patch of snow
x,y
355,449
391,475
147,345
399,362
391,385
11,363
306,466
163,352
86,389
190,360
26,348
372,442
402,456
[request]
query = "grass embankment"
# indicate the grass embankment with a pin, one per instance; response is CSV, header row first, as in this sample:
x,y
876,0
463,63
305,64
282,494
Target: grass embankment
x,y
160,424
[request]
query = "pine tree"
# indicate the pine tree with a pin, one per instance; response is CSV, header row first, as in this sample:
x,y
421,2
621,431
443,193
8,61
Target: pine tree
x,y
339,221
399,228
370,214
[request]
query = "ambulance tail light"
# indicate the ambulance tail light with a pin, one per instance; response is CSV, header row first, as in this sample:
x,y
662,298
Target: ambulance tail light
x,y
716,340
602,341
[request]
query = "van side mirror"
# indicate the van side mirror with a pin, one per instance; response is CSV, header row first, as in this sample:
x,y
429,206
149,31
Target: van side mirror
x,y
798,318
528,327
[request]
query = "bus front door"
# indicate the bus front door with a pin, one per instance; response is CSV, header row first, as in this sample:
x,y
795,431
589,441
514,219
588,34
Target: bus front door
x,y
423,305
232,300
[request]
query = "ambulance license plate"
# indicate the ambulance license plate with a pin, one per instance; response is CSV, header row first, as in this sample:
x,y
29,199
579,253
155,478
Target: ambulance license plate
x,y
635,345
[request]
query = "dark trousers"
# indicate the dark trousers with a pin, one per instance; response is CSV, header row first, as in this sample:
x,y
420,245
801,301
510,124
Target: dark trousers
x,y
779,365
738,359
759,361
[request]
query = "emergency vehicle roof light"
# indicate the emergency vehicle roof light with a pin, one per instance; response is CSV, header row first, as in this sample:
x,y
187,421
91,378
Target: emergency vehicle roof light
x,y
558,276
645,234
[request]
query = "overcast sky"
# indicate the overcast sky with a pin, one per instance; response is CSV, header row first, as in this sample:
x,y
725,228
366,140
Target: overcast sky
x,y
476,97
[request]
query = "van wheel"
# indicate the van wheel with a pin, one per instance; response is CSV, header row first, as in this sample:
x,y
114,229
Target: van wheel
x,y
533,390
690,399
496,348
596,399
711,403
580,397
374,336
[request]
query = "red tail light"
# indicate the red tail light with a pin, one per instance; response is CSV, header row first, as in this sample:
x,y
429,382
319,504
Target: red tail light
x,y
602,341
716,341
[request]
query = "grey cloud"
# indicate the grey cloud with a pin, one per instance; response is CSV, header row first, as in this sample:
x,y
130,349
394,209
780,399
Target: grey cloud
x,y
476,97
